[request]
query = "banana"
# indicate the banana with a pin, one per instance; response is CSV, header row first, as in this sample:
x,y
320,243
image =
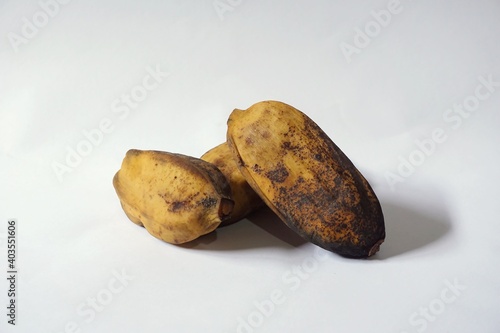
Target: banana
x,y
177,198
306,179
245,198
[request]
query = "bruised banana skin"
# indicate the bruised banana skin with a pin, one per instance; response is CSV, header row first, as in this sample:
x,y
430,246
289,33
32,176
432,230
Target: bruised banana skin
x,y
177,198
245,198
306,179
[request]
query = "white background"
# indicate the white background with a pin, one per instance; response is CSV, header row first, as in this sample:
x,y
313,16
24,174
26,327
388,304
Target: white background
x,y
438,270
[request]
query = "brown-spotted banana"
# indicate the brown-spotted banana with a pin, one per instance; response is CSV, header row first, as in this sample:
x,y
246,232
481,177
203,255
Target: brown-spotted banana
x,y
306,179
245,198
177,198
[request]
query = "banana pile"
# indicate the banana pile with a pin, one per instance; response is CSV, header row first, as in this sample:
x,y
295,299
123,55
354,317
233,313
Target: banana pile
x,y
274,155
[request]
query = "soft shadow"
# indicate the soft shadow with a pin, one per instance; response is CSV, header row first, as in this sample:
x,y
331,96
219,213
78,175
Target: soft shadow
x,y
266,219
409,229
260,229
200,241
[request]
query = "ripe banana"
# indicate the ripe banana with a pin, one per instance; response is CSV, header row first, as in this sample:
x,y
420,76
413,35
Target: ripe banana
x,y
245,198
177,198
306,179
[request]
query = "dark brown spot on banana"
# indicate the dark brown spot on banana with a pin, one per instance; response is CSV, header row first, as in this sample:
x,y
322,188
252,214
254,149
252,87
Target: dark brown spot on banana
x,y
278,175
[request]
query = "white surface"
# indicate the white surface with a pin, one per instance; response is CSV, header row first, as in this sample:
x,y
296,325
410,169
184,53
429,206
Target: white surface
x,y
442,220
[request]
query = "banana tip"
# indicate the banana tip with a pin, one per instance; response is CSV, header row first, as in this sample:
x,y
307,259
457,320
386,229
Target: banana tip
x,y
374,249
226,208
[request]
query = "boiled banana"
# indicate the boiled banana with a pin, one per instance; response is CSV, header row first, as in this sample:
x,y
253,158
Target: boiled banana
x,y
245,198
177,198
306,179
